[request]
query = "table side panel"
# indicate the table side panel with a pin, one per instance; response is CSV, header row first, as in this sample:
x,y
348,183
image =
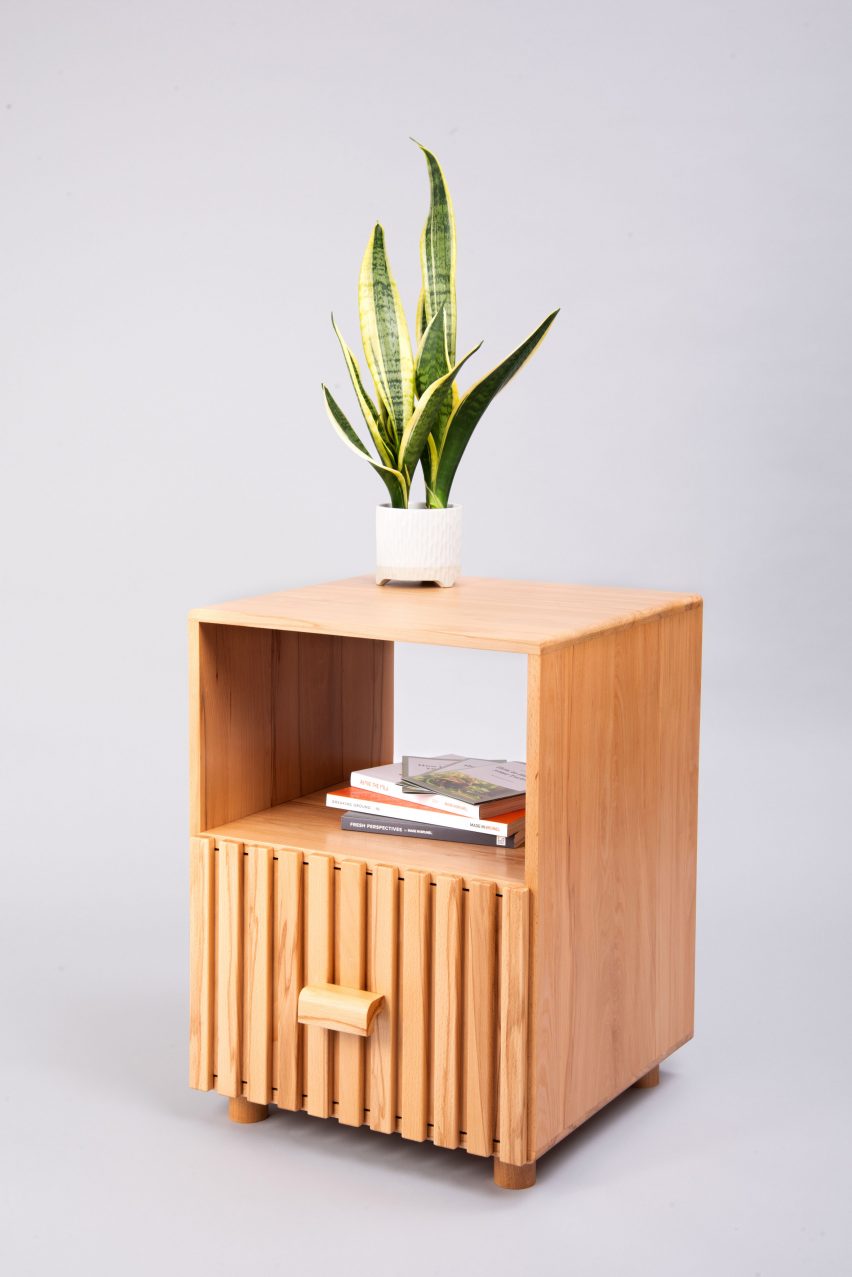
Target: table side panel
x,y
611,848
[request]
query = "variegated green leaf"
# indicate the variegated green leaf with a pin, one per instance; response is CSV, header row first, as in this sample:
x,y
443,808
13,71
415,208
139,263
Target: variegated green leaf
x,y
429,461
385,332
438,253
392,479
471,407
386,428
368,408
432,361
420,317
427,414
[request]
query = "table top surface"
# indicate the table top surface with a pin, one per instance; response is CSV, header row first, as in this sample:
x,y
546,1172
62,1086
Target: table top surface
x,y
478,612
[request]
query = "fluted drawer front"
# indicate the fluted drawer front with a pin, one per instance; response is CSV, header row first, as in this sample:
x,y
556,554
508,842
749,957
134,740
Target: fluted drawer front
x,y
446,1055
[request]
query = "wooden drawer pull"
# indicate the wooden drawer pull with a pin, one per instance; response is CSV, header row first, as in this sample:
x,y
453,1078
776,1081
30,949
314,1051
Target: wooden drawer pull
x,y
332,1006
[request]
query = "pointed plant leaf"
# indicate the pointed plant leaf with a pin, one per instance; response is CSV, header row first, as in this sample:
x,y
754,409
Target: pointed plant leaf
x,y
368,408
385,332
472,405
427,414
420,317
438,252
389,433
429,461
432,361
392,479
386,428
432,364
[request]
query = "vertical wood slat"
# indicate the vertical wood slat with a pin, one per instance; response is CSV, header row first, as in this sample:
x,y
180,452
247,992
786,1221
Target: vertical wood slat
x,y
513,1132
415,1004
351,946
381,978
480,961
229,975
447,1011
319,969
257,967
289,928
448,972
202,931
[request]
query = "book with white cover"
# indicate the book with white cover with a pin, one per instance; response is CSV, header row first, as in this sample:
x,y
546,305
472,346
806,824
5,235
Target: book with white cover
x,y
387,780
351,799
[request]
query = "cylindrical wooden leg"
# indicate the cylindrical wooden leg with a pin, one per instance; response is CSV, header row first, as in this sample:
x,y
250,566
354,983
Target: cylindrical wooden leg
x,y
244,1111
506,1176
651,1078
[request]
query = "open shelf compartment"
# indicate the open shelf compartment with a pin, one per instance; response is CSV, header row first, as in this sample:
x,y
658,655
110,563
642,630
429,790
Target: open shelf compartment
x,y
279,717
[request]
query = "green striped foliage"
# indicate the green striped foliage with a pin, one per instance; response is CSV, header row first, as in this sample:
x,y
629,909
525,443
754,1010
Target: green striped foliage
x,y
417,416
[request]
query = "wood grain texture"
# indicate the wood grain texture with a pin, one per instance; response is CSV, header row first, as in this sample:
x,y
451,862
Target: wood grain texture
x,y
245,1112
513,1103
480,1018
415,1001
382,925
289,929
366,670
234,734
320,712
513,1177
513,616
522,989
611,838
680,705
649,1079
319,969
276,715
342,1009
447,1005
428,945
197,805
286,692
202,932
309,824
257,974
351,969
229,968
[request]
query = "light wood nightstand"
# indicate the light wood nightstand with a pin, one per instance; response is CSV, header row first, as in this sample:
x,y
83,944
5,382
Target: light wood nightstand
x,y
478,998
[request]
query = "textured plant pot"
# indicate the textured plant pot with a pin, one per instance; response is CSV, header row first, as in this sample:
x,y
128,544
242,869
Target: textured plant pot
x,y
418,544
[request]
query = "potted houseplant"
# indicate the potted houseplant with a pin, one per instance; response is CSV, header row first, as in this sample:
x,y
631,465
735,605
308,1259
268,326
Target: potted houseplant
x,y
417,417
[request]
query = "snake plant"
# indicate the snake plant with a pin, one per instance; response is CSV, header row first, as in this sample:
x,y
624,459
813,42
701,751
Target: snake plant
x,y
417,415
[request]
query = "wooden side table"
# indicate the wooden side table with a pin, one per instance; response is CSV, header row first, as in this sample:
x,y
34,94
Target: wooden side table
x,y
475,997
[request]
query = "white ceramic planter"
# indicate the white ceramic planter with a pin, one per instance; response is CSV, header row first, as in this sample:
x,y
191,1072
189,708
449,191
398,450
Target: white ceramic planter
x,y
418,544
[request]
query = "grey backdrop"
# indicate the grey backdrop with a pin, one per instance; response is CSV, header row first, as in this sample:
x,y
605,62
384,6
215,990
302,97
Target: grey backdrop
x,y
187,190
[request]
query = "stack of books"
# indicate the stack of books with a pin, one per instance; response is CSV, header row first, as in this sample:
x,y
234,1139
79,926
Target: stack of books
x,y
448,798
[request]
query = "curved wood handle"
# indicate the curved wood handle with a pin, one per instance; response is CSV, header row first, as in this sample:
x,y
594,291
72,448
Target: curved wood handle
x,y
333,1006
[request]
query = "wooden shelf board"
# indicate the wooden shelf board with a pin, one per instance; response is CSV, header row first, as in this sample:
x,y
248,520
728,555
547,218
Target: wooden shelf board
x,y
308,825
508,616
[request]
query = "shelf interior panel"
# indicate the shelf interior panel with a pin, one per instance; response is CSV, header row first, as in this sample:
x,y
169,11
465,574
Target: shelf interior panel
x,y
308,825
